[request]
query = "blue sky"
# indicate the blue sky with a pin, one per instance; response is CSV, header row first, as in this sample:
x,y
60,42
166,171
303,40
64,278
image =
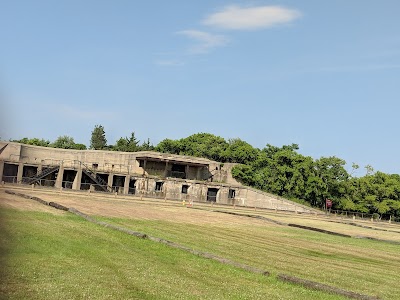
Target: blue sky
x,y
322,74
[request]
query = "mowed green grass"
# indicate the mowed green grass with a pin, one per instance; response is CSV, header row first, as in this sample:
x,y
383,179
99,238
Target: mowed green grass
x,y
363,266
47,256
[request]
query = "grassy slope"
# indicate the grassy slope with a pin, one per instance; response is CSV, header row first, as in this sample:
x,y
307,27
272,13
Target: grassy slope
x,y
362,266
45,256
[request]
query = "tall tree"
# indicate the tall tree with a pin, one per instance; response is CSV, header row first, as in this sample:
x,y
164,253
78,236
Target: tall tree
x,y
98,140
146,146
126,144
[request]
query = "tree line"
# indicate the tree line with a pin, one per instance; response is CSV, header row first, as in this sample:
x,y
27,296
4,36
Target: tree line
x,y
279,170
98,141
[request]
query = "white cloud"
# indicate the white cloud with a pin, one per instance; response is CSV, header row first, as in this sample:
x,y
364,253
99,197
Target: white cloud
x,y
251,18
205,41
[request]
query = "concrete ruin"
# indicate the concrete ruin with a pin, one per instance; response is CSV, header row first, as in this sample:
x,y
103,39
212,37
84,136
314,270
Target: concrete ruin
x,y
143,174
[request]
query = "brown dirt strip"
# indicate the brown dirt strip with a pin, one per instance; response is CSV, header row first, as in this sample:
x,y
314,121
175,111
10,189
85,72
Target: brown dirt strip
x,y
323,287
306,227
244,215
282,277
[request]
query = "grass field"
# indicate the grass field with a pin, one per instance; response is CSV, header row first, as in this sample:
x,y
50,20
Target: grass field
x,y
49,254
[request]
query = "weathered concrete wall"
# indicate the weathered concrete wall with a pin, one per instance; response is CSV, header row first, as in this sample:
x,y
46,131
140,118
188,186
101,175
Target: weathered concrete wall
x,y
101,161
27,159
11,153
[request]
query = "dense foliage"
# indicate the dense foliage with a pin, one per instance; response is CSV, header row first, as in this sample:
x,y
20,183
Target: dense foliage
x,y
278,170
285,172
98,140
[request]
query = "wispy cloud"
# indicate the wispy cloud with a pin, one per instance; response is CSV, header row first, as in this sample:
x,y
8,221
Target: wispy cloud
x,y
205,41
251,18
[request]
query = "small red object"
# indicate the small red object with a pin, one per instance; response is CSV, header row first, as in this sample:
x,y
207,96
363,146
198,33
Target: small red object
x,y
328,203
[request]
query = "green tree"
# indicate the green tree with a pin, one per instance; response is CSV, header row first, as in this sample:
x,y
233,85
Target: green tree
x,y
67,142
146,146
239,151
80,146
98,140
203,145
168,146
33,141
126,144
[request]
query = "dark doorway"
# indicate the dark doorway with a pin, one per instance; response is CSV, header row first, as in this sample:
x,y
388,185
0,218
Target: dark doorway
x,y
132,186
118,183
104,177
98,181
185,188
159,186
68,178
231,194
86,182
28,172
178,171
212,194
10,172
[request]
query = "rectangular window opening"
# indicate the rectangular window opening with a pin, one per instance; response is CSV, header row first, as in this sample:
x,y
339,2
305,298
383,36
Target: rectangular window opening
x,y
159,186
185,188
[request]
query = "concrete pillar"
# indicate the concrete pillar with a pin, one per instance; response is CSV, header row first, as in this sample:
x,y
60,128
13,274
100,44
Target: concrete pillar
x,y
198,173
60,176
166,169
39,169
144,166
1,170
20,172
126,184
76,185
110,179
187,171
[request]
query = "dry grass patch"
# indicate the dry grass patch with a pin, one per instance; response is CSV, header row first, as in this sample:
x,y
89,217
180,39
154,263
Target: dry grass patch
x,y
362,266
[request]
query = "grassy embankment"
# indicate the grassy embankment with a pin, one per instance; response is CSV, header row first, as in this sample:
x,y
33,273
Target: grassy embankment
x,y
61,256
